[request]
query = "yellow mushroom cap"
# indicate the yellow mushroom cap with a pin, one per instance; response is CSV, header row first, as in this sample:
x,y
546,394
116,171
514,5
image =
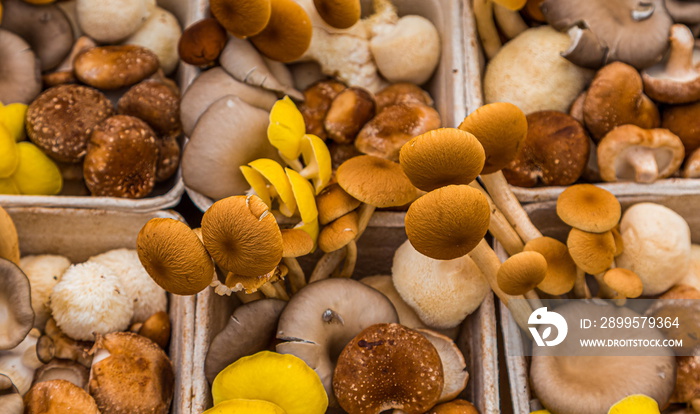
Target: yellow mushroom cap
x,y
303,195
376,181
12,117
9,154
442,157
288,33
8,186
341,14
296,242
243,406
592,252
448,222
242,18
242,235
522,272
561,269
275,175
500,128
334,202
589,208
625,282
36,173
317,159
286,128
635,404
338,233
284,380
9,241
174,257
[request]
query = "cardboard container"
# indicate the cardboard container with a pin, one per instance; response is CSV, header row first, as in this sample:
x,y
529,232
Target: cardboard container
x,y
477,338
79,234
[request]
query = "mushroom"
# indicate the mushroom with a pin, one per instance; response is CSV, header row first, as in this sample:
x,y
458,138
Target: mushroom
x,y
295,242
453,365
112,20
457,407
287,35
121,158
631,32
317,100
156,328
147,296
20,362
62,370
9,241
521,272
561,269
388,366
174,256
686,390
64,72
45,27
128,365
441,292
615,98
683,11
484,11
242,19
114,67
229,134
283,380
333,202
155,103
61,120
43,271
589,208
684,121
621,284
160,34
201,43
339,13
20,72
402,92
36,173
341,233
528,87
15,305
555,151
592,252
13,116
385,284
692,166
56,344
629,152
10,398
250,329
657,246
58,396
168,158
510,22
324,316
349,111
244,405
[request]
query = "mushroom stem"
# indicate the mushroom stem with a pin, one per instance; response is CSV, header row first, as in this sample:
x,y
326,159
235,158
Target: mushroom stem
x,y
487,261
509,21
280,289
499,227
604,291
483,15
327,264
642,159
503,198
364,214
297,279
248,297
581,289
350,260
534,299
680,58
271,292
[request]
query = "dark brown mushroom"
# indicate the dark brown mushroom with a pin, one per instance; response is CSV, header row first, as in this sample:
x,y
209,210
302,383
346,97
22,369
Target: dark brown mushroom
x,y
168,158
113,67
348,113
684,121
156,103
317,101
202,42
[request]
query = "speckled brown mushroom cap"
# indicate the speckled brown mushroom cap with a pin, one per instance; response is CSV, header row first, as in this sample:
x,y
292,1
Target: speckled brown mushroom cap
x,y
687,386
500,128
121,158
296,242
388,366
554,152
202,42
155,103
592,252
449,222
61,120
242,18
339,13
174,257
615,98
242,235
168,158
334,202
684,121
113,67
338,233
522,272
402,92
442,157
561,269
288,33
317,100
135,377
58,396
376,181
589,208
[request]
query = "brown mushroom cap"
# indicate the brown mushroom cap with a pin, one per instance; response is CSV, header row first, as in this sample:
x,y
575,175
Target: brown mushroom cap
x,y
615,98
555,151
121,158
20,74
317,100
242,235
338,233
168,158
625,282
131,374
15,305
448,222
202,42
288,33
242,18
643,155
692,165
334,202
113,67
174,257
386,133
592,252
388,366
500,128
9,241
687,379
442,157
154,102
61,120
296,242
589,208
376,181
522,272
58,396
684,121
341,14
157,328
402,92
348,113
561,269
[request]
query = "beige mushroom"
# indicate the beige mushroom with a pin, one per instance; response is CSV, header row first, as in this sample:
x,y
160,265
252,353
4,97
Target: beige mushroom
x,y
160,34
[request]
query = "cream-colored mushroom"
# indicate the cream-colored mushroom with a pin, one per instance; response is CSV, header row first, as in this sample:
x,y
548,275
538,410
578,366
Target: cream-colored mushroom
x,y
160,33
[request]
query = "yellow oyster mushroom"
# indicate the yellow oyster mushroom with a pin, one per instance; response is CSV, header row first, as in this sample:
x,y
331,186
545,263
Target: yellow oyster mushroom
x,y
317,160
286,130
36,174
241,406
257,183
274,174
635,404
9,154
281,379
12,117
8,186
304,196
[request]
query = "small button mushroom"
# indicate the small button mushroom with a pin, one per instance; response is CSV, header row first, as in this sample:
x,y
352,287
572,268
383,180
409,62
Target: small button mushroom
x,y
338,233
61,120
684,121
21,74
643,155
620,285
401,92
589,208
202,42
114,67
389,130
15,305
288,33
317,101
44,272
58,396
159,34
62,369
242,18
154,102
111,21
555,151
348,113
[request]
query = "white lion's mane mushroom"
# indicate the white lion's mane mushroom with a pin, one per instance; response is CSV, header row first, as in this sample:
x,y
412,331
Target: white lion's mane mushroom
x,y
20,362
529,85
657,246
160,34
43,271
148,298
324,316
15,305
110,21
90,300
442,292
629,31
20,74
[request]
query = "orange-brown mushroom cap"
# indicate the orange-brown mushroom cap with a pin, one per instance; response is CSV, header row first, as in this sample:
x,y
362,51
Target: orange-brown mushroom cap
x,y
288,33
338,233
442,157
625,282
242,18
592,252
334,202
59,396
454,407
339,13
174,257
522,272
376,181
561,269
449,222
242,235
589,208
296,242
